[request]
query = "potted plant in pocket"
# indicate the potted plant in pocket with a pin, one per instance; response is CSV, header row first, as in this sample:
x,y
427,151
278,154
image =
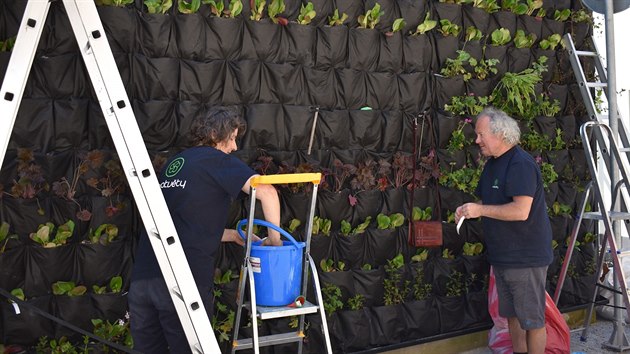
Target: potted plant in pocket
x,y
335,273
447,43
26,324
354,324
420,314
30,183
72,306
67,189
158,6
109,300
5,237
396,290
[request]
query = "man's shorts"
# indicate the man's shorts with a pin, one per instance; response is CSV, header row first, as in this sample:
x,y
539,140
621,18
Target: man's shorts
x,y
522,294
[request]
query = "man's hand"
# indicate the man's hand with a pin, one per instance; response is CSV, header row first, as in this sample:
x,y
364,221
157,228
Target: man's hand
x,y
273,239
231,235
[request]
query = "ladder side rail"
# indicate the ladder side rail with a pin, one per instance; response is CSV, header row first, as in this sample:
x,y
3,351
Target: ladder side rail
x,y
306,265
609,236
254,312
569,252
589,312
142,179
320,303
19,68
578,70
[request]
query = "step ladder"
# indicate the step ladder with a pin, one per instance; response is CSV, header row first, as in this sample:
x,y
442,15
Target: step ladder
x,y
108,86
597,132
247,278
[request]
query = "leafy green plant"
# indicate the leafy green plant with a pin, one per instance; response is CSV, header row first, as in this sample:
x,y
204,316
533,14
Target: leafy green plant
x,y
276,7
551,42
371,18
425,26
321,225
422,254
533,5
419,214
294,224
44,231
216,7
188,6
158,6
398,25
447,254
331,295
336,20
515,93
456,66
356,302
524,41
464,179
347,230
581,15
5,236
223,322
104,234
328,265
307,13
8,44
118,3
559,209
514,6
257,9
534,141
115,286
235,8
458,140
473,34
19,293
61,345
395,288
549,174
366,266
467,105
490,6
447,28
455,285
562,15
500,36
420,288
472,249
68,288
389,222
483,68
116,332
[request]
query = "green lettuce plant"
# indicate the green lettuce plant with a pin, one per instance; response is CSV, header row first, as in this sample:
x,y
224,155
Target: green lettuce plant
x,y
257,9
336,20
447,28
5,236
472,248
521,40
118,3
68,288
500,36
426,25
390,222
551,42
307,13
158,6
371,18
44,232
188,6
276,7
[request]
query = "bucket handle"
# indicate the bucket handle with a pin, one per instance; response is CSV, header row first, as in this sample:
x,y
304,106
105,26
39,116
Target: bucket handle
x,y
267,224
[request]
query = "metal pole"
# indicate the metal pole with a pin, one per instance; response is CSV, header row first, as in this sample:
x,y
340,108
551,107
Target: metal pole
x,y
618,340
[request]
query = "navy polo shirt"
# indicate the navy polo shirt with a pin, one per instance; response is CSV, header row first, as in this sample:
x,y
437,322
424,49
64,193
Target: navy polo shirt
x,y
515,244
199,184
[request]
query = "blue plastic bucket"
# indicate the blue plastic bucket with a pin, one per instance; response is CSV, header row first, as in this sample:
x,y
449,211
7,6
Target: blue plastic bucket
x,y
277,269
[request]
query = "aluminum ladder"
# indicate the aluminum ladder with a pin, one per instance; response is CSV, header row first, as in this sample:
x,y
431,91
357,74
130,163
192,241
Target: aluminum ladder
x,y
308,269
107,83
597,132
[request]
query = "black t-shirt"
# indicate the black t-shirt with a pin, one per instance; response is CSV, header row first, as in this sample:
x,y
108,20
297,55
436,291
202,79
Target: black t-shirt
x,y
515,244
199,184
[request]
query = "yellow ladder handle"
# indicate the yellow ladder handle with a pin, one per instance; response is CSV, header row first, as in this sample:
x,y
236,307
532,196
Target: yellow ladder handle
x,y
314,178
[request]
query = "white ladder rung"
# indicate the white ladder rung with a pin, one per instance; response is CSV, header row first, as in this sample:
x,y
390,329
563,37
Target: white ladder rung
x,y
268,312
613,215
585,53
596,84
273,339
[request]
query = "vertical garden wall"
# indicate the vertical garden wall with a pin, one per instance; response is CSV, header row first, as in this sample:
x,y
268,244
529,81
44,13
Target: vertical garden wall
x,y
372,88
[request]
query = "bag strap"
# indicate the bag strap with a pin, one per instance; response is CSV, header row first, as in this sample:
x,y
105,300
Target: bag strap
x,y
424,116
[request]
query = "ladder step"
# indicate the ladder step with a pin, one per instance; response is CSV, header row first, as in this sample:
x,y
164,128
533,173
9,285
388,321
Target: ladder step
x,y
584,53
596,84
267,312
613,215
273,339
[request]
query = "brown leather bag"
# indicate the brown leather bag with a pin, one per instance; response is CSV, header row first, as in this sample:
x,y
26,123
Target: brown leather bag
x,y
424,233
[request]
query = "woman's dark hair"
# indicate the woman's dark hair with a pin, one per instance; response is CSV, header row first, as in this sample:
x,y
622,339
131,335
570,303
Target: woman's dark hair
x,y
216,126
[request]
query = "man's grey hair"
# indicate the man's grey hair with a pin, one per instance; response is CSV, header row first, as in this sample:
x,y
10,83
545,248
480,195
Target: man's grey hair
x,y
502,125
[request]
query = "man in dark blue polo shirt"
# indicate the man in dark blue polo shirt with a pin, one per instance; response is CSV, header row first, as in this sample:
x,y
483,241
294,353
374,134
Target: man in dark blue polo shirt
x,y
516,228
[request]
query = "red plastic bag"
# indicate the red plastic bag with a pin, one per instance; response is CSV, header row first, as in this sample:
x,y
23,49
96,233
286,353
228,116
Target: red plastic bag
x,y
499,341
